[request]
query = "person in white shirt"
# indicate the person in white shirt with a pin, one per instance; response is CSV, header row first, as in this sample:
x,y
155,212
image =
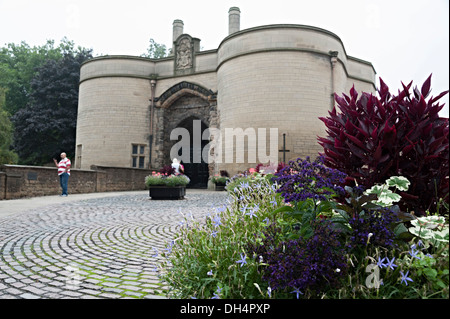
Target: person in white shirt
x,y
176,166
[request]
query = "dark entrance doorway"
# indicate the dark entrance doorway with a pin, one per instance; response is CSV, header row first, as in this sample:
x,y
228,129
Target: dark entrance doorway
x,y
197,168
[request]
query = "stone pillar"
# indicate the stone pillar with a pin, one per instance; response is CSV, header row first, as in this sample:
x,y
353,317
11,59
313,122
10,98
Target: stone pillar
x,y
234,18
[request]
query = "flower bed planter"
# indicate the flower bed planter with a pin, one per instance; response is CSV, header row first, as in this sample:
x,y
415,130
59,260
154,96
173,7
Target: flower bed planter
x,y
166,192
219,187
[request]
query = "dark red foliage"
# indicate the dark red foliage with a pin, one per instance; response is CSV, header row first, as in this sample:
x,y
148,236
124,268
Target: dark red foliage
x,y
373,138
167,170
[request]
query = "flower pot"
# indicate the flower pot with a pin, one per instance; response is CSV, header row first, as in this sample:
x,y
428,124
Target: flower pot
x,y
168,193
219,187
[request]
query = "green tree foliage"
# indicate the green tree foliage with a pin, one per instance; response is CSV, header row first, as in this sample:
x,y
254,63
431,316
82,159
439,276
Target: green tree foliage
x,y
156,50
6,131
46,126
18,64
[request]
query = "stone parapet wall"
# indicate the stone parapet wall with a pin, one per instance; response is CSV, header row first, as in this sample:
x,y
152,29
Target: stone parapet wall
x,y
17,181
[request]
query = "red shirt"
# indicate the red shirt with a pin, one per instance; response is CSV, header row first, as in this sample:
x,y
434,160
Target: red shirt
x,y
62,165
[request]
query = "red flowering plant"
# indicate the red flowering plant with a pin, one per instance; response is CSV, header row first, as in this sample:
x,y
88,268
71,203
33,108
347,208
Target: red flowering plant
x,y
372,138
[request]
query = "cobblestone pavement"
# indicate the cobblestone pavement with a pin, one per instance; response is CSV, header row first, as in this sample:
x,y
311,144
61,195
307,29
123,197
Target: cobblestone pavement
x,y
92,248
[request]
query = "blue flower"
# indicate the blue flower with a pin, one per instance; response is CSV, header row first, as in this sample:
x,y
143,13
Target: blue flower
x,y
242,261
252,211
216,221
169,248
244,208
273,202
214,234
413,253
209,273
216,293
297,291
269,292
266,220
156,252
380,263
390,263
405,277
244,185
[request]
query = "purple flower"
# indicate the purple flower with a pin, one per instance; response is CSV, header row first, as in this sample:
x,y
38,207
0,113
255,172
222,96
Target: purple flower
x,y
375,222
390,263
252,211
216,221
405,278
216,293
244,208
305,179
304,263
413,253
380,263
297,291
242,261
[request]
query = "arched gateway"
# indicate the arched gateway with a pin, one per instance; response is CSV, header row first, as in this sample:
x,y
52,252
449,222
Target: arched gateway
x,y
183,113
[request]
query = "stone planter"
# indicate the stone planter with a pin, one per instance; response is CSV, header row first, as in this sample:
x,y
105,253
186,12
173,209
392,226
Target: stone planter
x,y
219,187
168,193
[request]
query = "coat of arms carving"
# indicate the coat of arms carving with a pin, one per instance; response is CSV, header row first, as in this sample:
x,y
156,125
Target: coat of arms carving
x,y
184,54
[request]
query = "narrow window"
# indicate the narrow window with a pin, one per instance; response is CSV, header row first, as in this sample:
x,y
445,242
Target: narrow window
x,y
137,155
78,158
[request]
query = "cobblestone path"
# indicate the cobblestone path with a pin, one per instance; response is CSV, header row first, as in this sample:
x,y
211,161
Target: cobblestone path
x,y
95,248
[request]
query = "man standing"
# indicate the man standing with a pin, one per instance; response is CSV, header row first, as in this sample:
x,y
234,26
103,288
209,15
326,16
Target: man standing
x,y
63,172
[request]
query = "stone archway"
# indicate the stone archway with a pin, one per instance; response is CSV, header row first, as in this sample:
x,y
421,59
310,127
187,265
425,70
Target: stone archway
x,y
178,107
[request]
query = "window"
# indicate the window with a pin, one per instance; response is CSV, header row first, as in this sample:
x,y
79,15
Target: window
x,y
137,155
78,158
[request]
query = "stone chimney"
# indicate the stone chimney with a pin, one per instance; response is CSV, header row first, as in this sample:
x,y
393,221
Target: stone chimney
x,y
177,31
234,20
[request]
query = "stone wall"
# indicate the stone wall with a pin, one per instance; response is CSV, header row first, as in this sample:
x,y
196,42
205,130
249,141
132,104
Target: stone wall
x,y
18,181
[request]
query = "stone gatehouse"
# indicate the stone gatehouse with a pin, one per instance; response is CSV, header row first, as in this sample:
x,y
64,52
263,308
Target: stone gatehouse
x,y
269,77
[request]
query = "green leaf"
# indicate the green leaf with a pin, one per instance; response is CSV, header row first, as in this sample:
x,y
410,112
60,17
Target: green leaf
x,y
388,197
399,182
400,229
283,209
430,272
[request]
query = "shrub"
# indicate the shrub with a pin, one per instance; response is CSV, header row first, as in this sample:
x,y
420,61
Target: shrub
x,y
207,259
219,180
303,179
158,179
373,138
307,266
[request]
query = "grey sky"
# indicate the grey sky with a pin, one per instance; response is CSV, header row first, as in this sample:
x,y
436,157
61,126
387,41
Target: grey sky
x,y
405,40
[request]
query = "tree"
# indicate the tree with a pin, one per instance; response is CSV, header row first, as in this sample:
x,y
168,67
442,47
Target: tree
x,y
6,133
47,125
156,50
18,65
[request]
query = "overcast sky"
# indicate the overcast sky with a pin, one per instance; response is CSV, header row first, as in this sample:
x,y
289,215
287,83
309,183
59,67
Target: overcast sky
x,y
405,40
